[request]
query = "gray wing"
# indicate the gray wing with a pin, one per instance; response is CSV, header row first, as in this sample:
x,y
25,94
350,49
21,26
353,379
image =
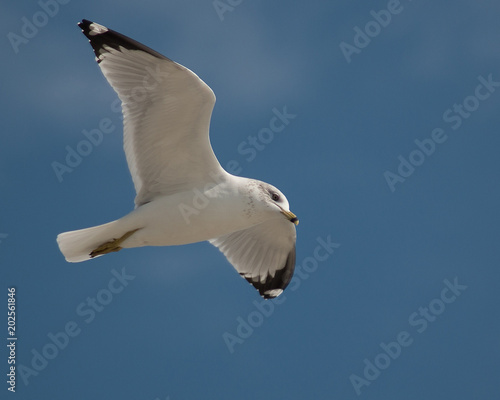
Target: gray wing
x,y
166,110
264,254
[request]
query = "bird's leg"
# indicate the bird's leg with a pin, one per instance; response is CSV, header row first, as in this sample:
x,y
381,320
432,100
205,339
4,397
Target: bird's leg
x,y
112,245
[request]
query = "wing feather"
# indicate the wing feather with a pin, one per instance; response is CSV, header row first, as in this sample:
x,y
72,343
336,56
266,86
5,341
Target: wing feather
x,y
264,255
166,109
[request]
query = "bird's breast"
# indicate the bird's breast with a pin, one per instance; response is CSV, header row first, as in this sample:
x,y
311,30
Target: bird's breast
x,y
192,216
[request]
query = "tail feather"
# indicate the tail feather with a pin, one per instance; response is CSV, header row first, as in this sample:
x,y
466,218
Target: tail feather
x,y
76,246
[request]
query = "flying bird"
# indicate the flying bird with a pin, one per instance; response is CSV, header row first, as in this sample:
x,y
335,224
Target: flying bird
x,y
183,195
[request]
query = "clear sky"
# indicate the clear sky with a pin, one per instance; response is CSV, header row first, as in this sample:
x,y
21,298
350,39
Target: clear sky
x,y
390,161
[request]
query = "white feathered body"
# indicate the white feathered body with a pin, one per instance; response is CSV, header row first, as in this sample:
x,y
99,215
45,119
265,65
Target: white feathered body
x,y
186,217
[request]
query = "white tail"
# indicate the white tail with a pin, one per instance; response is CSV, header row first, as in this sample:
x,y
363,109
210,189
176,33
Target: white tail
x,y
76,246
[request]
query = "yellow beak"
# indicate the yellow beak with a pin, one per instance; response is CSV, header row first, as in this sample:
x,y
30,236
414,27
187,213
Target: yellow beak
x,y
291,216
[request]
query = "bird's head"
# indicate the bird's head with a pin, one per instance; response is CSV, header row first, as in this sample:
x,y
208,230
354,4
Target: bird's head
x,y
275,201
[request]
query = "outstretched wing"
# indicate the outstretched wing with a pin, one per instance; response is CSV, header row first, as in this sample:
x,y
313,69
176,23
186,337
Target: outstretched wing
x,y
166,110
264,254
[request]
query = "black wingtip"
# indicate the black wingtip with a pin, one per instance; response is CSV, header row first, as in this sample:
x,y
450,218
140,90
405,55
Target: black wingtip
x,y
274,286
84,23
99,36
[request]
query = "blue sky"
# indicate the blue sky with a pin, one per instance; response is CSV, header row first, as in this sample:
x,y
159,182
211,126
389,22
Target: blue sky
x,y
391,160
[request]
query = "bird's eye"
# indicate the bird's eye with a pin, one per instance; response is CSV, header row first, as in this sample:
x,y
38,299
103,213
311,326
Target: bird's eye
x,y
275,196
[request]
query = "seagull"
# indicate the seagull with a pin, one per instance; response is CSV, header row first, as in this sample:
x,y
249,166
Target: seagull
x,y
183,195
